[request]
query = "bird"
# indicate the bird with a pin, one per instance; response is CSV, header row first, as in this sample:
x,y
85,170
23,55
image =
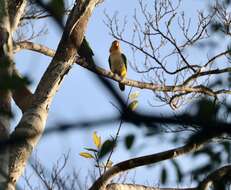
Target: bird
x,y
118,62
86,52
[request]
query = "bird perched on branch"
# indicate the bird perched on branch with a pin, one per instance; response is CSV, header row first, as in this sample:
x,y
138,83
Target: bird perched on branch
x,y
86,52
118,62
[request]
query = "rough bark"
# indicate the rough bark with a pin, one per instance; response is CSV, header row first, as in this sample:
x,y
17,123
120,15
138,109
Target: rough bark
x,y
10,14
115,186
209,181
16,12
215,177
142,85
102,182
22,96
6,55
32,124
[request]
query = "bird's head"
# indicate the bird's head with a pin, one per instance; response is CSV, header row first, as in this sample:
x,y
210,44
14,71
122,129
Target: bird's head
x,y
115,46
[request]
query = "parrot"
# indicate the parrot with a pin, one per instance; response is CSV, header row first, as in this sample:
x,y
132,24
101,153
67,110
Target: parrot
x,y
118,62
86,52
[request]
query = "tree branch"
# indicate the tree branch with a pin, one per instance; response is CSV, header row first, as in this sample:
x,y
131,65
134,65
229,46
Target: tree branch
x,y
6,57
214,177
34,47
115,186
102,181
16,11
22,96
34,118
98,70
211,179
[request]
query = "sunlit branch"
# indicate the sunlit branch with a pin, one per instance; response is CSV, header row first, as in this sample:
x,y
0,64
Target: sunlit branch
x,y
98,70
22,96
216,56
34,47
102,181
211,179
116,186
205,73
40,15
215,177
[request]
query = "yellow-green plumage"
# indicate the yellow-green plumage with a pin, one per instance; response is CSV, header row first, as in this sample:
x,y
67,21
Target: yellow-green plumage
x,y
118,62
86,52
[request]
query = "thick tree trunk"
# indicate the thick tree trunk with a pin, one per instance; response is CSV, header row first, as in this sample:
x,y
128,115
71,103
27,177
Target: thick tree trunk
x,y
6,55
10,14
29,130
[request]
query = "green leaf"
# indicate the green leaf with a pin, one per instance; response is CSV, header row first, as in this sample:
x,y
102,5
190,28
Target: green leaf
x,y
178,170
13,82
216,27
207,110
220,185
91,149
229,49
57,7
198,172
164,175
109,164
103,165
133,105
86,155
96,140
229,78
107,147
6,113
129,140
227,150
134,95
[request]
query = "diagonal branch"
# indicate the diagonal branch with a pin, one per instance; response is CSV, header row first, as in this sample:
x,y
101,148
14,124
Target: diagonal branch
x,y
34,118
101,182
215,177
178,88
6,57
116,186
22,96
34,47
216,57
98,70
16,11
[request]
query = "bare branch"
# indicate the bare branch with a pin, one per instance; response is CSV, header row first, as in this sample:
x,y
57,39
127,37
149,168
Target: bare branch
x,y
34,47
22,96
167,55
16,11
34,118
102,181
98,70
205,184
6,62
215,176
116,186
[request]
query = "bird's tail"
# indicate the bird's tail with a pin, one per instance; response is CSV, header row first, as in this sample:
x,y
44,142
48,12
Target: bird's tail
x,y
122,86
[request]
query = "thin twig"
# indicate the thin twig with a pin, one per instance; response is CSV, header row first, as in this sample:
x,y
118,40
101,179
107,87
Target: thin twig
x,y
117,135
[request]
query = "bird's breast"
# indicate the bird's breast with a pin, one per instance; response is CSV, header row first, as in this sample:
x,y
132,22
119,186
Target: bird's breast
x,y
117,63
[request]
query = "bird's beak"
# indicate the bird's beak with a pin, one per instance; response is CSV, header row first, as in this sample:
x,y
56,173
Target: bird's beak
x,y
117,44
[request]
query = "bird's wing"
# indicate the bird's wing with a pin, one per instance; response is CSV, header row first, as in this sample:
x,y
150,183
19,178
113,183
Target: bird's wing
x,y
124,59
86,52
86,47
109,61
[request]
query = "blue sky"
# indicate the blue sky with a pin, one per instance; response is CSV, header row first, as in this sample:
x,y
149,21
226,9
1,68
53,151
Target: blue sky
x,y
81,97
